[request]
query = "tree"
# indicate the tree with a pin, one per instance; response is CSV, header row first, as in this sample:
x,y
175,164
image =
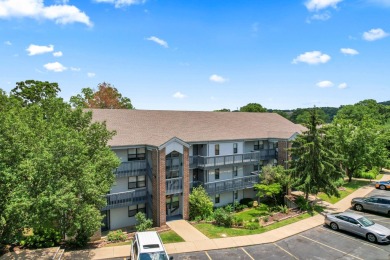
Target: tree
x,y
276,174
359,146
55,166
313,165
143,223
222,110
253,107
200,203
107,96
270,190
32,91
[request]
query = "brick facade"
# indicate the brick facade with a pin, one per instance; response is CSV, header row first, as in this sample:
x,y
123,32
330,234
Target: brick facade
x,y
186,183
158,185
283,153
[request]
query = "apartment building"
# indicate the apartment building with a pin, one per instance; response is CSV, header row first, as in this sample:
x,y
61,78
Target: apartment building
x,y
165,154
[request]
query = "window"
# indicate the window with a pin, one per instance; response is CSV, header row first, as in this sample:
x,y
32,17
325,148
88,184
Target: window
x,y
235,171
137,182
235,148
255,167
136,154
236,195
217,198
217,149
134,209
172,174
258,145
217,174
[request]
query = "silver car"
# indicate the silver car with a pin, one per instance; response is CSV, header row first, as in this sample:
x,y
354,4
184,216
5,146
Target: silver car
x,y
380,204
358,225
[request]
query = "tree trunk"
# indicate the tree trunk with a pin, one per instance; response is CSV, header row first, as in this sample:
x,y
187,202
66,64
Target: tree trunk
x,y
349,174
307,196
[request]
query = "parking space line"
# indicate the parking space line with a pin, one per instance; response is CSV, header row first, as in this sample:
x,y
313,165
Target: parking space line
x,y
352,238
247,253
208,255
345,253
281,248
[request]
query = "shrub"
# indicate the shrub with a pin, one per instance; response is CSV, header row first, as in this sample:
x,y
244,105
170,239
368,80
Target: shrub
x,y
198,218
284,209
302,203
229,208
238,221
266,218
143,222
247,201
200,203
45,237
241,207
116,236
223,218
252,225
236,205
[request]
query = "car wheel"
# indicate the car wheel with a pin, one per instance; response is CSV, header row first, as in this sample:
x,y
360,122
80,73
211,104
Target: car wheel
x,y
371,238
359,207
334,226
382,187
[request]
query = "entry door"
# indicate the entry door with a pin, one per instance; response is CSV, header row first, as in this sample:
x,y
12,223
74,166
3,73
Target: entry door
x,y
106,220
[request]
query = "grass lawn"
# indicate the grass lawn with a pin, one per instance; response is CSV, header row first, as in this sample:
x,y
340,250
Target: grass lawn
x,y
248,215
213,231
170,237
349,188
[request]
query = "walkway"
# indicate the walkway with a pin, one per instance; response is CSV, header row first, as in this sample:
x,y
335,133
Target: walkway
x,y
186,231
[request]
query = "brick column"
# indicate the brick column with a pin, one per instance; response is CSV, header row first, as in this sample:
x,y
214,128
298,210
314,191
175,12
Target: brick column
x,y
186,183
158,186
283,153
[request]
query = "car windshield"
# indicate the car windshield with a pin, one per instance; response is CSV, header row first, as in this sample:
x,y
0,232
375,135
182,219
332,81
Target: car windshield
x,y
153,256
365,222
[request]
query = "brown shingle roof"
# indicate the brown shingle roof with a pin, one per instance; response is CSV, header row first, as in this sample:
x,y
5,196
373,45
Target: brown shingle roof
x,y
155,127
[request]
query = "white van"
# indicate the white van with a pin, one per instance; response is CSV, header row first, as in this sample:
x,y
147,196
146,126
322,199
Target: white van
x,y
148,246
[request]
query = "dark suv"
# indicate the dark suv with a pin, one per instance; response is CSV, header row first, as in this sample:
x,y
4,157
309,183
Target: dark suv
x,y
380,204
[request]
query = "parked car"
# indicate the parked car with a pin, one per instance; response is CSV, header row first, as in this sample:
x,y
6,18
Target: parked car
x,y
148,246
380,204
383,185
358,225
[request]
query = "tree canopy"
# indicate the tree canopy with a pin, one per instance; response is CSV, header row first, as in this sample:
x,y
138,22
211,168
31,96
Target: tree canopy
x,y
253,107
107,96
55,166
313,166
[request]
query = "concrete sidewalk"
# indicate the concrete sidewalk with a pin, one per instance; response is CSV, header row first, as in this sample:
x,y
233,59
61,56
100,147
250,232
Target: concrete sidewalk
x,y
196,242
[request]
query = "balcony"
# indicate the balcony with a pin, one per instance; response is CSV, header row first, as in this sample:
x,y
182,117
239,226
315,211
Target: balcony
x,y
207,162
174,185
131,168
228,185
127,198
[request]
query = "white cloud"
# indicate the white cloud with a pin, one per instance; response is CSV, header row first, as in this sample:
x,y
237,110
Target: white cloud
x,y
322,17
74,69
325,84
57,54
8,43
349,51
179,95
121,3
55,66
38,49
218,79
343,85
60,14
374,34
316,5
158,41
312,57
91,74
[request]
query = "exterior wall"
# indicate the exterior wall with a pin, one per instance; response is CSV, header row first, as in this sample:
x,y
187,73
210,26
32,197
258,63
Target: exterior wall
x,y
283,153
122,154
158,184
173,146
225,173
225,148
227,197
121,185
249,193
119,218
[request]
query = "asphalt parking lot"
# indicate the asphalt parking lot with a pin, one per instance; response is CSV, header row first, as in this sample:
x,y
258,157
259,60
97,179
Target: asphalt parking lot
x,y
317,243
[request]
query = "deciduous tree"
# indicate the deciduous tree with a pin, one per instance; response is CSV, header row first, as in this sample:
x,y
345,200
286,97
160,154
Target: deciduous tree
x,y
253,107
107,96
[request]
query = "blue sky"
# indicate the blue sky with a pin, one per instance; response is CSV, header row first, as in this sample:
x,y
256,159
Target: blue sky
x,y
202,55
